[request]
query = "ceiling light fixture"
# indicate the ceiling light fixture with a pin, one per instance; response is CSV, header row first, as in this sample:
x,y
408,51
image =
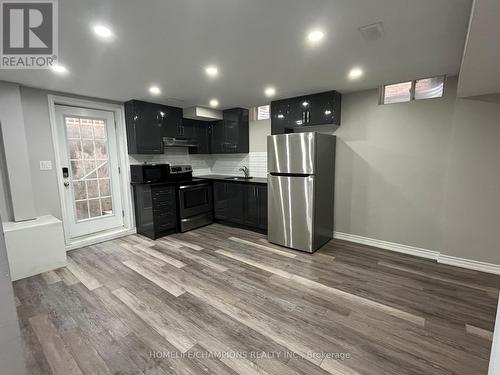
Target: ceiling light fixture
x,y
214,103
103,32
270,91
212,71
154,90
315,36
59,69
355,73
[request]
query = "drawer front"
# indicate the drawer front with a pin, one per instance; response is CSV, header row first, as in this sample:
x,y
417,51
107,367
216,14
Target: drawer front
x,y
165,221
164,208
163,193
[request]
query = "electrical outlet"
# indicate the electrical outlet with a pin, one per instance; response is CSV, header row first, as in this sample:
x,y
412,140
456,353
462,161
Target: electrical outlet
x,y
45,165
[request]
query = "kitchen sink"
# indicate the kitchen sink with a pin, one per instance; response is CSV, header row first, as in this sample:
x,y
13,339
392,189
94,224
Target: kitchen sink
x,y
238,178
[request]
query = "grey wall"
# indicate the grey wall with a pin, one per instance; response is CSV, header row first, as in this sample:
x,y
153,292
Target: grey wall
x,y
391,163
11,354
258,132
471,214
5,202
15,153
39,137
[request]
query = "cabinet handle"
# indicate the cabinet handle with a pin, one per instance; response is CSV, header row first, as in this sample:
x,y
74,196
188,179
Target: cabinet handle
x,y
308,116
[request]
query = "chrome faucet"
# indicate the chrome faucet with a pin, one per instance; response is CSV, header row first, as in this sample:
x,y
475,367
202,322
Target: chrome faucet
x,y
245,171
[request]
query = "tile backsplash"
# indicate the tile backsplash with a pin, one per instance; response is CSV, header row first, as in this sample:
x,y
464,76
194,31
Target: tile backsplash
x,y
227,164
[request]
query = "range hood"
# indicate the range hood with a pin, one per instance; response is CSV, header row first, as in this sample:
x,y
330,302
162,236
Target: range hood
x,y
202,113
179,142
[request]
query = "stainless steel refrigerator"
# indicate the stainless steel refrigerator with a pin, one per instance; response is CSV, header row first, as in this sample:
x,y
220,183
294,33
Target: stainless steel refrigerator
x,y
301,180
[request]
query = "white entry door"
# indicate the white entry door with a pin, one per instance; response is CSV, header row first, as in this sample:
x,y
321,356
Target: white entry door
x,y
90,170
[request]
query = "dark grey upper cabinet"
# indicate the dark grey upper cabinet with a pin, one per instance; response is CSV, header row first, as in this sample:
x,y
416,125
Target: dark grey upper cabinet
x,y
316,109
147,124
201,132
230,135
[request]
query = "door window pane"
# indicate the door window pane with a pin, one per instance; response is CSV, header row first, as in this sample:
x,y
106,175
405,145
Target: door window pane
x,y
429,88
77,169
104,187
90,169
80,190
99,129
82,210
106,206
72,127
86,128
75,149
92,189
103,169
101,151
88,149
95,207
397,93
88,154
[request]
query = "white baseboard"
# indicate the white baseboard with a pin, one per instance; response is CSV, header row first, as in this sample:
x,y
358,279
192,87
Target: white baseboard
x,y
470,264
422,253
101,237
392,246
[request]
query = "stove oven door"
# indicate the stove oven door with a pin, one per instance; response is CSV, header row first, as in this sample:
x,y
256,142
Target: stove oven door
x,y
195,200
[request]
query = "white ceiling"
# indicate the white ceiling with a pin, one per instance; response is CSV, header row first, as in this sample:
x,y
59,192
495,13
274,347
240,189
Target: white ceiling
x,y
480,72
255,43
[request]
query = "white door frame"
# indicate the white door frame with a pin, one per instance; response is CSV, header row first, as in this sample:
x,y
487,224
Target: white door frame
x,y
126,191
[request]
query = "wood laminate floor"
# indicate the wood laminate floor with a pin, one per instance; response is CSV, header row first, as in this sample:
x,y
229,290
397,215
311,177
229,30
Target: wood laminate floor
x,y
220,300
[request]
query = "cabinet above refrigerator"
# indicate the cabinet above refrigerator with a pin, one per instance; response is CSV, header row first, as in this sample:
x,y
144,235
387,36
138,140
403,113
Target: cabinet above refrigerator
x,y
297,114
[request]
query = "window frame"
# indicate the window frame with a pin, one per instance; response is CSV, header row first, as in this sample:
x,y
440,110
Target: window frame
x,y
381,99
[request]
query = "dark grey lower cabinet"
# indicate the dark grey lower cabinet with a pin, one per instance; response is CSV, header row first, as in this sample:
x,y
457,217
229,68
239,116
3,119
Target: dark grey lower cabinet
x,y
242,204
262,204
155,210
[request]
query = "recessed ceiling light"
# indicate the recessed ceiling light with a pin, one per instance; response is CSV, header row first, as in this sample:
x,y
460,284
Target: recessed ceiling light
x,y
214,103
103,32
315,36
212,71
59,69
355,73
270,91
154,90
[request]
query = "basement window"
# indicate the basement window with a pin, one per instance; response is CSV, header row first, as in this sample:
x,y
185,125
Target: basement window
x,y
261,112
402,92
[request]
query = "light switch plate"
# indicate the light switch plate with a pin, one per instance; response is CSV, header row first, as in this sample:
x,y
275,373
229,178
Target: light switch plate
x,y
45,165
